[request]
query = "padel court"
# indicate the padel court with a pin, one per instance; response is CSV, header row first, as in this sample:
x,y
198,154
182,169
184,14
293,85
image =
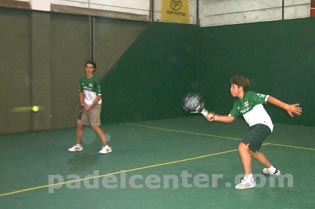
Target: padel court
x,y
185,163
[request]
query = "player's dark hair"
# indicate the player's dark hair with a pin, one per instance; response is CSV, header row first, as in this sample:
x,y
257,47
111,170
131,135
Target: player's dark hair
x,y
240,81
92,63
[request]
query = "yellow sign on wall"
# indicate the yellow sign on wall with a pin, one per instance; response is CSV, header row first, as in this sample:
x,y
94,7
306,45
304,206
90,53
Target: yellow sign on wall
x,y
175,11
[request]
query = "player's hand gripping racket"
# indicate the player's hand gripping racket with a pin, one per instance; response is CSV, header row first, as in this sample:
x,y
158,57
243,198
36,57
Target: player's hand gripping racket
x,y
193,103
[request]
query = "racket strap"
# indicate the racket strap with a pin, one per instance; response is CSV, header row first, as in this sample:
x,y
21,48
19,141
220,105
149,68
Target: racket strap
x,y
204,112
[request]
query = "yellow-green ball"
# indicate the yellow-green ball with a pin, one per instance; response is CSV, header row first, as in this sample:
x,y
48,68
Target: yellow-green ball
x,y
35,108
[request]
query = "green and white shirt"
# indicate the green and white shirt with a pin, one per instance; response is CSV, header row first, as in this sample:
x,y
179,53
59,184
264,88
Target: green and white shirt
x,y
91,88
252,109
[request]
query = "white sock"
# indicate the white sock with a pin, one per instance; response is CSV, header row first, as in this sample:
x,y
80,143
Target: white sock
x,y
272,169
248,177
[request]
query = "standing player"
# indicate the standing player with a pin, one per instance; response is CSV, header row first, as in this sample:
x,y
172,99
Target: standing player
x,y
90,100
250,104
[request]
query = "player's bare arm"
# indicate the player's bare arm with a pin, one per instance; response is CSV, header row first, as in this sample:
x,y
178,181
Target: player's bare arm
x,y
220,118
81,98
292,109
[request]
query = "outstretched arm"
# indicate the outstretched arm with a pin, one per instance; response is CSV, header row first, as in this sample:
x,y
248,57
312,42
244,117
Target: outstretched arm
x,y
292,109
220,118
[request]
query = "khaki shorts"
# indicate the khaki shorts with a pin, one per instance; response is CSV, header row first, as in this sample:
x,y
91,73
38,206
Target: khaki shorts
x,y
92,117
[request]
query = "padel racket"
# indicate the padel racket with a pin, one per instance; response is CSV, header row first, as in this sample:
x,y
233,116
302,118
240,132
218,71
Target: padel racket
x,y
80,113
193,103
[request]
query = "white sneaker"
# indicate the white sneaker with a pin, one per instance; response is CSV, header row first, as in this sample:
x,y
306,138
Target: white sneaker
x,y
106,149
76,148
246,184
267,172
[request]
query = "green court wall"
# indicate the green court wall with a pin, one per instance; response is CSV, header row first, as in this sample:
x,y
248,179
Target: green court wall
x,y
278,57
169,60
152,77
